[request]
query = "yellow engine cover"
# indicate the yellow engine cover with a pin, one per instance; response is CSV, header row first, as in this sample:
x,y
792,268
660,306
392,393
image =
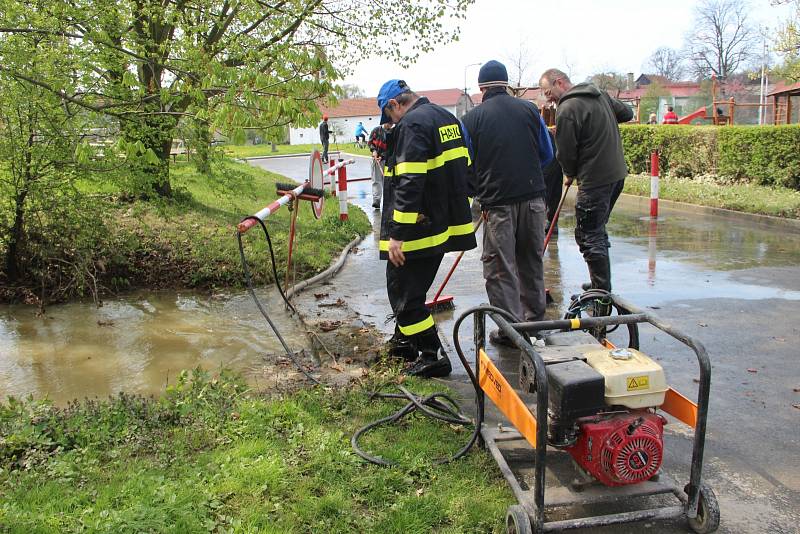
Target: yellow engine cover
x,y
632,379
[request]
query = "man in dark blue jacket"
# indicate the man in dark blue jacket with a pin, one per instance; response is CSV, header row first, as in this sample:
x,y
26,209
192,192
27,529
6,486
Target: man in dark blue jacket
x,y
510,146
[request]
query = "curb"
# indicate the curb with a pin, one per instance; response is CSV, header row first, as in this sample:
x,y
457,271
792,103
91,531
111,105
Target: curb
x,y
766,220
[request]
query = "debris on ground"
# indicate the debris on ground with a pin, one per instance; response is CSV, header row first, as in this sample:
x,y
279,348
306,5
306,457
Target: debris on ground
x,y
338,304
319,296
327,326
752,370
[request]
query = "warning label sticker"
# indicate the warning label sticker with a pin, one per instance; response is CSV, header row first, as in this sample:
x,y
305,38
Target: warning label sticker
x,y
638,382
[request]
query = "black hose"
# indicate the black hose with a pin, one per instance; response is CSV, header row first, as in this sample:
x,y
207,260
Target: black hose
x,y
249,281
589,297
430,405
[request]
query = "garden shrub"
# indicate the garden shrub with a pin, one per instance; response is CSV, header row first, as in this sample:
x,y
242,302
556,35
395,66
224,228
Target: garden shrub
x,y
768,155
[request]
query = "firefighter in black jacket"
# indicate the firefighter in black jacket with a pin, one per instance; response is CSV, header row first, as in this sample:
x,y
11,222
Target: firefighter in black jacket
x,y
426,213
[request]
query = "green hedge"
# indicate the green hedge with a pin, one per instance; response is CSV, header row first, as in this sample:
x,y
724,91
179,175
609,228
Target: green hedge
x,y
767,155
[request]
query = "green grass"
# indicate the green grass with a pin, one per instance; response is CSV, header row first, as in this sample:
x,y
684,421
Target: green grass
x,y
252,151
211,456
748,198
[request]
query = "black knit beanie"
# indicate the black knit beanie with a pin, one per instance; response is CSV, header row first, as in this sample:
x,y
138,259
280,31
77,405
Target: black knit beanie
x,y
493,74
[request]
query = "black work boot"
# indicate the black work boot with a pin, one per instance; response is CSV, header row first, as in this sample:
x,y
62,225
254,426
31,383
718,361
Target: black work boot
x,y
401,346
430,365
433,360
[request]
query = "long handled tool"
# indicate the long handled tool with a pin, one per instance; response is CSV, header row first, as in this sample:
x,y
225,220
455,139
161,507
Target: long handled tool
x,y
555,218
440,303
547,296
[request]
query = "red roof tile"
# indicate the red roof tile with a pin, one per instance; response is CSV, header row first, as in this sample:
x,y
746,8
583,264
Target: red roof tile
x,y
783,87
355,107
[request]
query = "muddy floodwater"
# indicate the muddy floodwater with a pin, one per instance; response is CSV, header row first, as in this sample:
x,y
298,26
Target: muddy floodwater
x,y
138,343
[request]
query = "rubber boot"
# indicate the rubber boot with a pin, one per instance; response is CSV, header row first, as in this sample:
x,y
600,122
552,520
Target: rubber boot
x,y
433,361
402,346
600,272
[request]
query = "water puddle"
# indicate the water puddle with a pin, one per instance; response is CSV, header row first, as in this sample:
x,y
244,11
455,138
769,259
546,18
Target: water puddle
x,y
137,343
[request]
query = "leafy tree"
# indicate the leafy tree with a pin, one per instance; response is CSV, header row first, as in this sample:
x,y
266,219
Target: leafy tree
x,y
787,43
45,150
666,62
612,82
225,64
348,90
722,38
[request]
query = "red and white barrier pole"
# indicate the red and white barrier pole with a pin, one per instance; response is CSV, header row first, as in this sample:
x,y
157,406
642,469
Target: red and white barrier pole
x,y
343,191
329,174
272,208
654,184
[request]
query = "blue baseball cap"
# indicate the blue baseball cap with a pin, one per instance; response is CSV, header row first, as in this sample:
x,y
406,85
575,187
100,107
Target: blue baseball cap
x,y
390,90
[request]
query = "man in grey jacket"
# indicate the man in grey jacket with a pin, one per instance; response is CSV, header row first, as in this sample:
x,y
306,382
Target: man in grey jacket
x,y
589,148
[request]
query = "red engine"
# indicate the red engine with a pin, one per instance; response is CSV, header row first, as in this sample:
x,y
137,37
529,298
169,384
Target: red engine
x,y
620,449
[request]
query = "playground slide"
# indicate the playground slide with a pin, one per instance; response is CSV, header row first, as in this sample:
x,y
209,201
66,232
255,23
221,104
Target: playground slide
x,y
699,114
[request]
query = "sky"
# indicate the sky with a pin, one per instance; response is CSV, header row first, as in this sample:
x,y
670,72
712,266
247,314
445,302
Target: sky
x,y
581,37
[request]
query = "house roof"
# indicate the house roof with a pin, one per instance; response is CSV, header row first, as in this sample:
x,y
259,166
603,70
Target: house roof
x,y
357,107
653,78
783,87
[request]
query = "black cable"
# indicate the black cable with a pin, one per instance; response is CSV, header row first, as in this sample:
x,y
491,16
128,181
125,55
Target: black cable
x,y
430,405
586,299
249,282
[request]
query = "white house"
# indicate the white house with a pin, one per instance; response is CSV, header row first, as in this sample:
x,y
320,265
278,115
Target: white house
x,y
343,118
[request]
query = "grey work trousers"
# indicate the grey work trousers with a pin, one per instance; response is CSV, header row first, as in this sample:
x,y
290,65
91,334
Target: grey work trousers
x,y
513,244
377,182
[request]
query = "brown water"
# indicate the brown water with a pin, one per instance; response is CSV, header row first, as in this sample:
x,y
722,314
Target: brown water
x,y
138,343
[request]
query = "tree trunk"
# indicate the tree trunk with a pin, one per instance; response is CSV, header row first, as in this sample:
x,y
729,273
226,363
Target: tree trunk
x,y
15,239
201,143
155,133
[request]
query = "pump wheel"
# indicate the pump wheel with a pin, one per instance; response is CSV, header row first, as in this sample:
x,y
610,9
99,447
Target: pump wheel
x,y
517,520
707,519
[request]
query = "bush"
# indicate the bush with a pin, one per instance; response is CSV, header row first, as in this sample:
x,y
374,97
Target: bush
x,y
768,155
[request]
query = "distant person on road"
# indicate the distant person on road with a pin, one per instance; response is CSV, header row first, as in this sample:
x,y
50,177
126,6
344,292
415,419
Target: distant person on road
x,y
670,117
589,148
361,133
377,145
510,144
425,214
324,135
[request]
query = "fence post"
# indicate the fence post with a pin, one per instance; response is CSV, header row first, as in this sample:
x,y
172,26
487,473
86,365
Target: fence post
x,y
654,163
342,192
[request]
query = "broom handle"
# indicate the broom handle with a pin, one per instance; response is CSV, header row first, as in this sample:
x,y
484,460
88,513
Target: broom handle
x,y
555,217
455,264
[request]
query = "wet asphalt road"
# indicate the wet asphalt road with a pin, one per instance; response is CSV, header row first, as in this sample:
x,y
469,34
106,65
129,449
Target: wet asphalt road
x,y
730,281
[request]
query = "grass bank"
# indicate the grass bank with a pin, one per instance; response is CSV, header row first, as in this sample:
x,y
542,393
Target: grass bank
x,y
210,456
710,191
188,241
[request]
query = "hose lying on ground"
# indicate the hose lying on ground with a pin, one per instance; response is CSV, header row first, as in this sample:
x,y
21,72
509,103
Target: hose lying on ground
x,y
249,282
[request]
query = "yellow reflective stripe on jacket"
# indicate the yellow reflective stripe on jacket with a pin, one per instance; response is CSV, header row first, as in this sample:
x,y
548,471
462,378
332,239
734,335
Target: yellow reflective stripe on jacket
x,y
431,241
422,167
405,217
416,328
